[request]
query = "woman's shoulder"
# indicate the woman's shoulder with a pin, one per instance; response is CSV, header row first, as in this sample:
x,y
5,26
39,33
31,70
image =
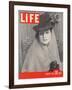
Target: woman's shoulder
x,y
34,47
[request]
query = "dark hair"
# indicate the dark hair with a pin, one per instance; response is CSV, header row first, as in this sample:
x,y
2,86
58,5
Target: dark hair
x,y
37,34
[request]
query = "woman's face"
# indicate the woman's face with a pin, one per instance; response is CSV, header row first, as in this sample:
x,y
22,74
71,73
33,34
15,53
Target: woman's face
x,y
45,37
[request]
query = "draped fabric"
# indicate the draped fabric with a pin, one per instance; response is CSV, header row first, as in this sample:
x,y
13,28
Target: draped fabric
x,y
39,57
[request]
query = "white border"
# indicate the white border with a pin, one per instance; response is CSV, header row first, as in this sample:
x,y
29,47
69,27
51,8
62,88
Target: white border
x,y
16,63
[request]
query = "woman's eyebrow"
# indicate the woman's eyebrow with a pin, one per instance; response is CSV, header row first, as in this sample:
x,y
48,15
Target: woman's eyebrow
x,y
41,32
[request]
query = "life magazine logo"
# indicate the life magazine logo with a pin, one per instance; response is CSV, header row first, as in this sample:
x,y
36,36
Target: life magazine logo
x,y
29,18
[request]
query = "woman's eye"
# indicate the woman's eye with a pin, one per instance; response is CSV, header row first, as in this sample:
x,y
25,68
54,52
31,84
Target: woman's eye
x,y
41,33
47,32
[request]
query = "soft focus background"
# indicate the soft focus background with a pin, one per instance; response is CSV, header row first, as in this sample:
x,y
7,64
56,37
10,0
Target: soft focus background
x,y
4,45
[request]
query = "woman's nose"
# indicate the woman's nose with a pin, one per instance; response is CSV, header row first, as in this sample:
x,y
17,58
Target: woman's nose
x,y
44,35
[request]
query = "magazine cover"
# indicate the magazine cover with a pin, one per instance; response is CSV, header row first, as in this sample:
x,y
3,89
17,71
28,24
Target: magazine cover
x,y
39,52
40,44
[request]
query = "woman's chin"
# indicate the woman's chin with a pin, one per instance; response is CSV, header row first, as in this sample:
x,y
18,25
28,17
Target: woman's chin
x,y
45,43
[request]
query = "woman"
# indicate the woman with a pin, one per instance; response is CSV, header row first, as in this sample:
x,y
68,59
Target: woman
x,y
43,54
